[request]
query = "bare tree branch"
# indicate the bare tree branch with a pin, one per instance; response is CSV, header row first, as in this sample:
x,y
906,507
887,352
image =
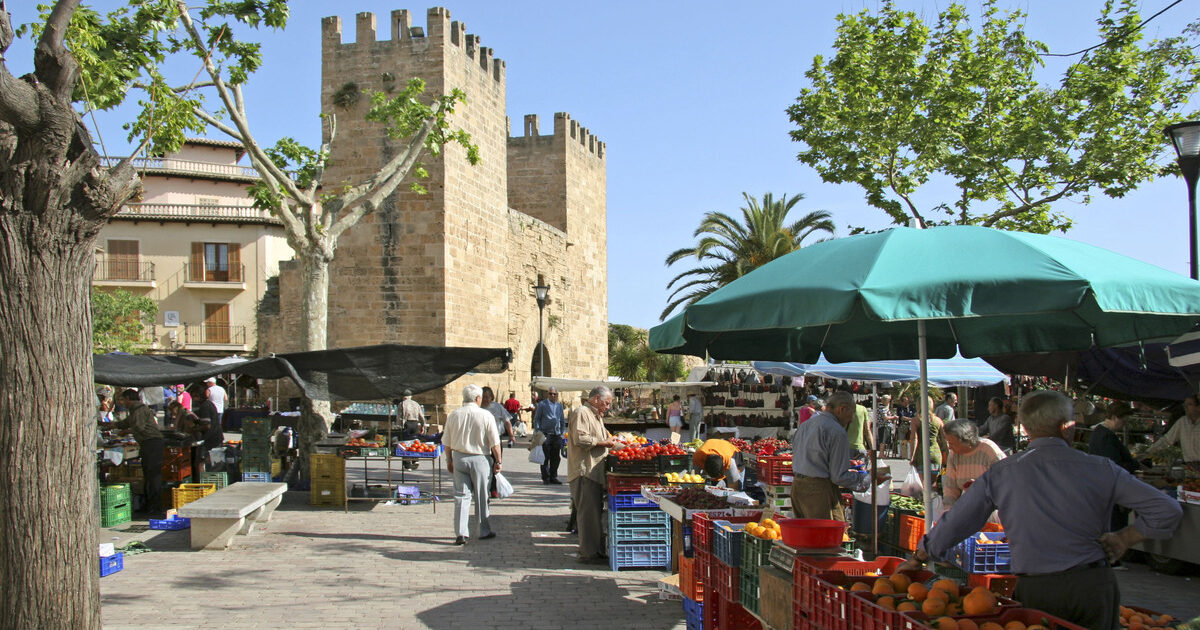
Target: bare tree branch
x,y
53,64
221,126
1004,214
18,99
376,189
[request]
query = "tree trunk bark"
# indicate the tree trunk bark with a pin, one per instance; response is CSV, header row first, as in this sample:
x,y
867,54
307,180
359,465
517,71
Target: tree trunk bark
x,y
315,417
48,492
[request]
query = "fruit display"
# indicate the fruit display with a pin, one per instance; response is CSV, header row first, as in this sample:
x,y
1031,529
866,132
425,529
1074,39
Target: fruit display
x,y
742,445
362,442
694,444
631,439
900,502
417,446
699,499
1135,618
648,452
683,477
771,446
767,530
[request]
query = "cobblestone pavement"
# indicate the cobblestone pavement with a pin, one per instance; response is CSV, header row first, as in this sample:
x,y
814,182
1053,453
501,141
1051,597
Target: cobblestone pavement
x,y
392,566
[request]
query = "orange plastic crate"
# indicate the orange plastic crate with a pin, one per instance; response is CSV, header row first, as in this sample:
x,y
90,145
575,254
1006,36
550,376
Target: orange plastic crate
x,y
912,528
994,582
689,582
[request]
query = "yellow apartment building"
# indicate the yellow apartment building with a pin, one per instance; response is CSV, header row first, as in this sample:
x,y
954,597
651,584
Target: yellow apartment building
x,y
195,245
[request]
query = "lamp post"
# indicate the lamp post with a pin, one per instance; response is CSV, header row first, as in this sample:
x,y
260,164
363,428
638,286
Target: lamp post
x,y
1185,137
541,291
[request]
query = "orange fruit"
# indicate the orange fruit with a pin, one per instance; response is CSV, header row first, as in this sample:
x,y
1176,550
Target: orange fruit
x,y
1014,625
887,602
933,607
946,584
860,586
917,591
907,604
883,586
990,625
944,623
979,602
937,593
967,624
953,610
900,581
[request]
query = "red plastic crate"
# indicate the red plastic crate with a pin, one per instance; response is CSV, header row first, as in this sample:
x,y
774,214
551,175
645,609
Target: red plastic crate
x,y
775,470
1027,616
176,472
712,608
829,600
994,582
702,529
805,567
912,528
625,483
703,563
726,579
689,581
864,614
732,616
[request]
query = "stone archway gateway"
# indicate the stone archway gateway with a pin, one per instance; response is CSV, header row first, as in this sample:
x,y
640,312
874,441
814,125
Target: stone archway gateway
x,y
535,364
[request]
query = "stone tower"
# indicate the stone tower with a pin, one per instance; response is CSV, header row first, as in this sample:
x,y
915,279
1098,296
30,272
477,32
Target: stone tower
x,y
456,266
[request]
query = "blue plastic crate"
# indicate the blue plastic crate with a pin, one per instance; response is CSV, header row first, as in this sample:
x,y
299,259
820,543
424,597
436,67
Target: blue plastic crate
x,y
419,455
173,523
111,564
639,534
727,542
628,501
655,556
638,517
974,557
693,611
256,476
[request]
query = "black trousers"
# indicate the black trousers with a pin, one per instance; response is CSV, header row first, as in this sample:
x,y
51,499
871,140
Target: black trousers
x,y
552,448
151,452
1087,597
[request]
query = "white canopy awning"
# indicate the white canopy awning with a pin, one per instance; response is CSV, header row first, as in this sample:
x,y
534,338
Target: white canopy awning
x,y
584,385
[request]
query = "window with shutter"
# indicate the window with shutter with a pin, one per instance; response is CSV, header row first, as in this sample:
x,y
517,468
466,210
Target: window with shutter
x,y
216,323
235,262
123,260
216,262
196,267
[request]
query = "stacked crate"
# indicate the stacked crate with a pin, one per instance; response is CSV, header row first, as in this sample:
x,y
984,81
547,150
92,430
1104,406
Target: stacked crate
x,y
639,533
218,479
716,543
327,480
177,463
778,501
256,449
114,504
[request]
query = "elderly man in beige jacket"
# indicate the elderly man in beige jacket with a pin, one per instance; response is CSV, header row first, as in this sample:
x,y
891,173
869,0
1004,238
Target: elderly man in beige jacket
x,y
587,446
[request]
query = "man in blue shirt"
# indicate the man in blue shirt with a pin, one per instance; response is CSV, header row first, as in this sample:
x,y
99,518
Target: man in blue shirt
x,y
1055,503
821,462
549,419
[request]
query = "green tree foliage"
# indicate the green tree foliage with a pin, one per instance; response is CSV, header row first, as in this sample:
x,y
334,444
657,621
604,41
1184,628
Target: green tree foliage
x,y
631,359
903,103
729,249
119,319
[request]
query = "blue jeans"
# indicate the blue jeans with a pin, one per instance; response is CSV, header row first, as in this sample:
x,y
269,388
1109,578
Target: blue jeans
x,y
470,484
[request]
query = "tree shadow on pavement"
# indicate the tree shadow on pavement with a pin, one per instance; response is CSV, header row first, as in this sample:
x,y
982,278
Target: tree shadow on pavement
x,y
556,601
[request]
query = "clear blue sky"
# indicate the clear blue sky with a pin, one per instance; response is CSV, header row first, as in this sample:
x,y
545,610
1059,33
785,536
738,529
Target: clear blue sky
x,y
690,98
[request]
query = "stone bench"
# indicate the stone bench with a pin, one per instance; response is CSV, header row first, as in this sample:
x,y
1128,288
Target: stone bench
x,y
235,509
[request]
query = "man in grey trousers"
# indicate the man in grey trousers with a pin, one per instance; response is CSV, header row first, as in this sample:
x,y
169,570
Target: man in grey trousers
x,y
469,436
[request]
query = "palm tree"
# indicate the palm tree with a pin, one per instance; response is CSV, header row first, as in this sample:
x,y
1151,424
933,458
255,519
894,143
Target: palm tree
x,y
729,250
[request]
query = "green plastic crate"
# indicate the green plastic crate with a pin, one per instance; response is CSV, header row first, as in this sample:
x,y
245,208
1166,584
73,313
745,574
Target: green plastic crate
x,y
111,517
114,494
748,592
219,479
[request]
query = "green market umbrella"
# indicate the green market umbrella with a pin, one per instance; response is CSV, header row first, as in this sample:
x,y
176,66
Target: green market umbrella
x,y
906,293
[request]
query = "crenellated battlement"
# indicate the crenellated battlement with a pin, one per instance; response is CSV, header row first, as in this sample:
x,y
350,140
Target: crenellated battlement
x,y
565,128
439,32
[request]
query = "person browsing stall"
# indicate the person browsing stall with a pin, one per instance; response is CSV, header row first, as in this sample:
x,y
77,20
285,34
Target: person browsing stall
x,y
142,425
469,437
970,456
821,462
717,458
1185,432
587,445
1056,503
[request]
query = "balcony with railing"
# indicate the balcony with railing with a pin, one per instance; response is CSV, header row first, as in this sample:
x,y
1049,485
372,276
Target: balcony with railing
x,y
196,212
224,336
232,276
120,272
188,167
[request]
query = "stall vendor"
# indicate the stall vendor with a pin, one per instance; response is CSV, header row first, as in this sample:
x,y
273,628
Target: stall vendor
x,y
1185,432
1056,502
717,458
141,423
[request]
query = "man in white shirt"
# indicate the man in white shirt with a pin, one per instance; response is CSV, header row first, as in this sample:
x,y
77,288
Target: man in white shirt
x,y
469,436
945,411
695,415
216,394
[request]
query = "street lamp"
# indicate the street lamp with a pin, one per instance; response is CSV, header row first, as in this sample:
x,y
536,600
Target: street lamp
x,y
1185,137
541,291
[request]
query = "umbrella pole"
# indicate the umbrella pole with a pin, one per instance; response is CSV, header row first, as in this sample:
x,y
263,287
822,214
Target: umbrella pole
x,y
874,472
926,482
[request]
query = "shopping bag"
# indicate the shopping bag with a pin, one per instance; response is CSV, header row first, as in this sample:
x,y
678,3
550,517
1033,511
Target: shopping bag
x,y
912,484
536,440
537,456
503,488
937,506
882,495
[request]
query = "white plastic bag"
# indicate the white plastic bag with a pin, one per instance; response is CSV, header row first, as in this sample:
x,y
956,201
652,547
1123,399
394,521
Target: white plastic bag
x,y
503,488
882,496
937,506
912,484
537,455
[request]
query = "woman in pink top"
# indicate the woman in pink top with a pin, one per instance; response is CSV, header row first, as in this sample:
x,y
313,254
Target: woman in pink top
x,y
970,456
675,415
811,407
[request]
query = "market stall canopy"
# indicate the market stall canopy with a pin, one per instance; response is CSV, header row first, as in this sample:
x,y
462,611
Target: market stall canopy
x,y
979,291
544,383
952,372
1185,350
380,372
1141,372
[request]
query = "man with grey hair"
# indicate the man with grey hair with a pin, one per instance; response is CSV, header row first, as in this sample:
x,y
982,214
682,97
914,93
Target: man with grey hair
x,y
970,456
587,446
1055,502
469,436
548,419
945,411
821,461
